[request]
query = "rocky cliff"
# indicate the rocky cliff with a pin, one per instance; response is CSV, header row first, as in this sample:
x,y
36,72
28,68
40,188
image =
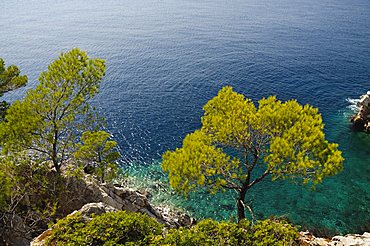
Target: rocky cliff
x,y
361,121
89,196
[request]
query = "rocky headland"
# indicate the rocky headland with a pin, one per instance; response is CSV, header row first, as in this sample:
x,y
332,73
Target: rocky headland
x,y
89,196
361,121
92,197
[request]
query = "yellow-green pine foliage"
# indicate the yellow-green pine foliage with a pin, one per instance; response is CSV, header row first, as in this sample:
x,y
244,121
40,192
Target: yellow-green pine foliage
x,y
10,79
283,139
99,152
47,119
32,188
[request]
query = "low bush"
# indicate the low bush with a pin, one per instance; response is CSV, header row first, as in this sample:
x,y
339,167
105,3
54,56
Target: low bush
x,y
115,228
209,232
123,228
274,232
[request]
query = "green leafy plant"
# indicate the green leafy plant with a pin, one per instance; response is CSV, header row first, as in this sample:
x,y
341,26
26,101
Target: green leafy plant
x,y
98,153
274,232
10,79
114,228
124,228
5,184
47,121
32,194
240,144
210,232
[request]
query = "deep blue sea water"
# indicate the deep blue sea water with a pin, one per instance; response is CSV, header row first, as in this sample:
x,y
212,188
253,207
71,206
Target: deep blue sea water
x,y
167,58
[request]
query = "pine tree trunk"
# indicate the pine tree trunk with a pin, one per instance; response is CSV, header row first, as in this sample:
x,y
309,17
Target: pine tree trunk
x,y
55,151
240,204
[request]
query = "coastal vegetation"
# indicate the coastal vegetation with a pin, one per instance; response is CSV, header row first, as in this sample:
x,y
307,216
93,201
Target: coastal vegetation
x,y
240,144
98,154
114,228
48,120
51,129
10,79
122,228
53,138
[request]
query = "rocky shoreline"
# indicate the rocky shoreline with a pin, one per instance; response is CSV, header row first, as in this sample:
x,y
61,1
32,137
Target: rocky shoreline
x,y
361,121
170,218
92,197
104,198
307,239
178,219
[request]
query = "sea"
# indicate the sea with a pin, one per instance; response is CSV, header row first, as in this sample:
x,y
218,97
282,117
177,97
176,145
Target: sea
x,y
166,58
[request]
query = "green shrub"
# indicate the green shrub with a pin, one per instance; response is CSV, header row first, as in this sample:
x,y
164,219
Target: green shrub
x,y
4,189
274,232
68,231
116,228
123,228
209,232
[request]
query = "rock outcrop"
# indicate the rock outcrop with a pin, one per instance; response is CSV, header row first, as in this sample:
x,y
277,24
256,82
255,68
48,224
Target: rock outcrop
x,y
87,196
361,121
86,211
94,208
307,239
89,190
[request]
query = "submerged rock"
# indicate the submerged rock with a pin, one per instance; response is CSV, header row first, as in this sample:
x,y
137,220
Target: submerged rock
x,y
361,121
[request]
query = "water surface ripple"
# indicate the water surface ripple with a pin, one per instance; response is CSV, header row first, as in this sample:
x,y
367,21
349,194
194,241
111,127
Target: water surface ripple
x,y
167,58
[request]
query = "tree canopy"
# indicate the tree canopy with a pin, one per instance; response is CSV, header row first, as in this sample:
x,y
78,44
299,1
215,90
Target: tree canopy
x,y
44,128
240,144
10,79
98,152
47,121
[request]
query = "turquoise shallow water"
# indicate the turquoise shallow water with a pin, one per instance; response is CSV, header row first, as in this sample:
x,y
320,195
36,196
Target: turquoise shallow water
x,y
339,205
167,58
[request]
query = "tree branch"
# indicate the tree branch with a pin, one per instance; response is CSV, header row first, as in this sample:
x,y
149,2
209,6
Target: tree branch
x,y
267,172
